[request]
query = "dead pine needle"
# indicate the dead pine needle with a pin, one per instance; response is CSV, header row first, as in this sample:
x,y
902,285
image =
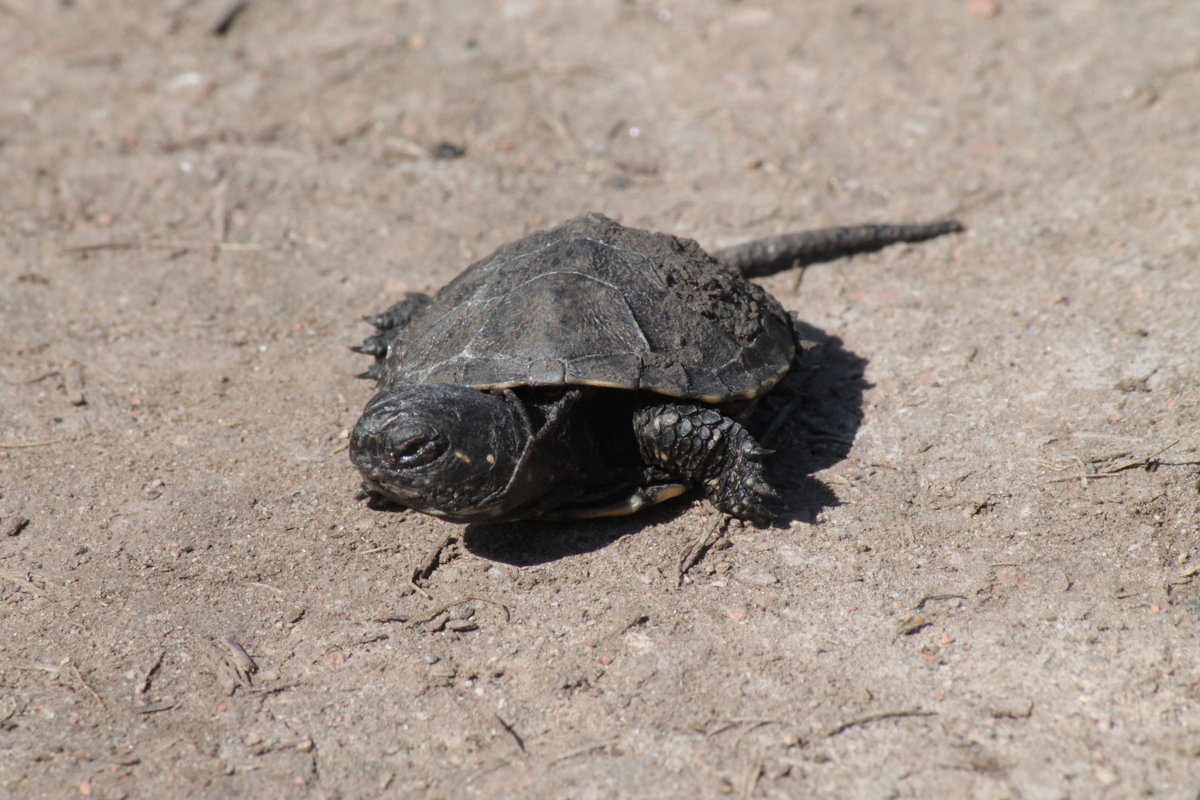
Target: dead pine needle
x,y
869,718
224,21
751,726
87,686
1116,469
136,244
750,781
1138,462
512,732
585,751
20,445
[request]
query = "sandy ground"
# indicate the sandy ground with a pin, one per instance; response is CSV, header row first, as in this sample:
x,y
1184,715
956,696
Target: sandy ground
x,y
194,223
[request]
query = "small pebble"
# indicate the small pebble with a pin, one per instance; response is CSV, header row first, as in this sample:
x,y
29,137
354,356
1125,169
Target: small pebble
x,y
983,8
446,151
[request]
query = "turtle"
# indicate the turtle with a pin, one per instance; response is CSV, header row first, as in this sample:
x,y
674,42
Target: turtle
x,y
587,370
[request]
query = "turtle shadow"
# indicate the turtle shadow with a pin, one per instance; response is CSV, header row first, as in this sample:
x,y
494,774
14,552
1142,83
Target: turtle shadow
x,y
529,543
811,418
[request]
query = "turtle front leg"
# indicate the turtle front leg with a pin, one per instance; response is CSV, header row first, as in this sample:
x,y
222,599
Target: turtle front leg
x,y
391,325
703,446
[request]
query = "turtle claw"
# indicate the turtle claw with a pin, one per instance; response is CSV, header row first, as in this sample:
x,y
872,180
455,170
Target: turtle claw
x,y
748,496
374,346
752,449
391,325
400,314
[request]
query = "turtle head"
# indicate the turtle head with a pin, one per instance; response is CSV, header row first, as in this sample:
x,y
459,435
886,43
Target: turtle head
x,y
442,449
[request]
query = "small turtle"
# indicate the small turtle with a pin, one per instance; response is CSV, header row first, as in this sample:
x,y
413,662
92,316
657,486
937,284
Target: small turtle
x,y
588,370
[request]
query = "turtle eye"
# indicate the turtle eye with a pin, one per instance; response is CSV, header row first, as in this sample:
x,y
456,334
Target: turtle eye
x,y
414,445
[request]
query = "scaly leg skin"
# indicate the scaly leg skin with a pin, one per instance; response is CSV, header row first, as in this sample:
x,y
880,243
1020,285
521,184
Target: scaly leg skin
x,y
391,325
703,446
775,253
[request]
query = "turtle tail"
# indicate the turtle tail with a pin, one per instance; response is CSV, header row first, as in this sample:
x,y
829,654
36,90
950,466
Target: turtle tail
x,y
777,253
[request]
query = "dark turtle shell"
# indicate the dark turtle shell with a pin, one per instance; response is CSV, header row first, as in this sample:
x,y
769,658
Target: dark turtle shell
x,y
592,302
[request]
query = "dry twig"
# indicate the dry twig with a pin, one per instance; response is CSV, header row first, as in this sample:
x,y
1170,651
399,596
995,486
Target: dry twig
x,y
430,615
698,548
1115,469
150,672
431,562
921,603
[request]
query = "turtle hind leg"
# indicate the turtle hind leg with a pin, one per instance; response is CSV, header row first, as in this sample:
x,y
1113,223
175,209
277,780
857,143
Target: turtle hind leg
x,y
390,324
703,446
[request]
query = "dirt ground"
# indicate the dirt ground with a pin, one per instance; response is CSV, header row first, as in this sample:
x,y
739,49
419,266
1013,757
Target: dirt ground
x,y
195,216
